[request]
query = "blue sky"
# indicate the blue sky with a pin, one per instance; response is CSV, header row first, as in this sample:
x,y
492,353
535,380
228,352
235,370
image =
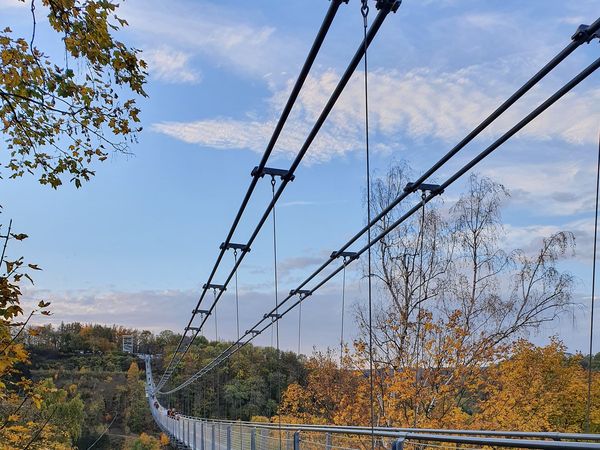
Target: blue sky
x,y
135,245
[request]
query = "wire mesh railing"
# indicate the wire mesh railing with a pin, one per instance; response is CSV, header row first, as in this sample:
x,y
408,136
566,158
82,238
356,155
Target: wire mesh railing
x,y
203,434
209,434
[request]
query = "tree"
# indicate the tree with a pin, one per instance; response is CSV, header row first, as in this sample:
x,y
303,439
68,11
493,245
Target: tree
x,y
552,399
146,442
137,416
57,121
58,118
329,395
452,300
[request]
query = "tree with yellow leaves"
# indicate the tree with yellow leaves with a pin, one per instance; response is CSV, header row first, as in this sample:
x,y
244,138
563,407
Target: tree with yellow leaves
x,y
328,396
58,118
451,302
145,442
538,389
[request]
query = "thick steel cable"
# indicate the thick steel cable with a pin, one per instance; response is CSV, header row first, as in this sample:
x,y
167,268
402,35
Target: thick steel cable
x,y
578,39
310,59
385,7
254,331
365,13
591,348
476,131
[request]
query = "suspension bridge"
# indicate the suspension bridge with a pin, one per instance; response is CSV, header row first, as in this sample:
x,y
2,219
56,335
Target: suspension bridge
x,y
212,434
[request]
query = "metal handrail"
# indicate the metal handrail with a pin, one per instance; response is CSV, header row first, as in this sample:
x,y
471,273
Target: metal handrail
x,y
556,436
398,436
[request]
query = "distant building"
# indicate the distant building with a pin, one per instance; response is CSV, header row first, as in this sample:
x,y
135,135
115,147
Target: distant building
x,y
128,344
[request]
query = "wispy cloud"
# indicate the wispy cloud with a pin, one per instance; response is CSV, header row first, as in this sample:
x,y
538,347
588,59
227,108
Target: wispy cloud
x,y
415,105
213,31
171,66
559,188
140,310
297,203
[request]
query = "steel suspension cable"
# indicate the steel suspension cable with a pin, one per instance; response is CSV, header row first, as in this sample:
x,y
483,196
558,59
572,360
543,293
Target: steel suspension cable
x,y
237,302
216,321
593,300
419,311
365,13
385,7
299,326
255,330
583,35
276,316
578,39
310,59
343,309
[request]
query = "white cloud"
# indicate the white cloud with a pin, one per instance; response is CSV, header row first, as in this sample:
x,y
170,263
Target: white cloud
x,y
214,31
254,135
170,65
170,309
561,188
418,104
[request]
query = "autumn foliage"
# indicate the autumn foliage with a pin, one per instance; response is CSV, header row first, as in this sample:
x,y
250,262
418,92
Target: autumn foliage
x,y
530,389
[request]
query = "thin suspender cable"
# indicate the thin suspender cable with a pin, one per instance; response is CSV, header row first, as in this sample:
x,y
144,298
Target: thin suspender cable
x,y
254,331
299,325
365,12
276,317
237,303
418,337
343,309
215,315
216,383
591,349
237,323
310,59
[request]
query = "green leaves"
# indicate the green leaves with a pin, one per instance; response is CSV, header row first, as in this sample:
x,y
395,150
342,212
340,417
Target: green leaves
x,y
59,118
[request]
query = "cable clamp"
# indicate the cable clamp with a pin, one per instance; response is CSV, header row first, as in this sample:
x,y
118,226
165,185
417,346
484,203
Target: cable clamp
x,y
220,287
434,189
303,293
583,34
192,328
252,332
273,316
390,5
349,256
201,311
281,173
231,245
